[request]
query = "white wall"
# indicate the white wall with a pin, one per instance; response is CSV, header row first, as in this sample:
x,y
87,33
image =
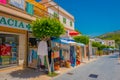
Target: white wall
x,y
22,48
61,19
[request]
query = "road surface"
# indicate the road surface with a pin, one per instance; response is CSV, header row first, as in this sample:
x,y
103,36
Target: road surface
x,y
105,68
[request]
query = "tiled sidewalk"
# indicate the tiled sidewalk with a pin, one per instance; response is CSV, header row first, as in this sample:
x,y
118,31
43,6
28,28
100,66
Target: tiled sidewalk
x,y
18,73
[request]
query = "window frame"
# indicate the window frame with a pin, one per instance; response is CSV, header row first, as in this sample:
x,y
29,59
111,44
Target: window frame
x,y
64,20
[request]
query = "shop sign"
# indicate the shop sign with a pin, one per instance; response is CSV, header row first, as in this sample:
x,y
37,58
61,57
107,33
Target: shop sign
x,y
18,3
9,22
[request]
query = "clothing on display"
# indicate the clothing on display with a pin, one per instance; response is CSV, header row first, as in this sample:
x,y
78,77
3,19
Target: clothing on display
x,y
5,50
32,55
42,59
42,48
72,56
66,55
60,52
32,59
42,63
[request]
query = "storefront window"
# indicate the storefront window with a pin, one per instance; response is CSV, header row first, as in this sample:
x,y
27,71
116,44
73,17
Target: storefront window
x,y
8,50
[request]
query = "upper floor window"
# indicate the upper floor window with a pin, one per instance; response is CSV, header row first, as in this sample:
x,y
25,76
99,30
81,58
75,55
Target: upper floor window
x,y
55,14
64,20
71,24
29,8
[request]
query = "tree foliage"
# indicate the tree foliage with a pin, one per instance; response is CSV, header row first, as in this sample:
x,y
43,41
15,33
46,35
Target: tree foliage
x,y
99,45
82,39
45,28
102,46
96,44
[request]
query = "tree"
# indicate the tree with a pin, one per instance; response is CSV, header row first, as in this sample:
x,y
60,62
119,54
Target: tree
x,y
82,39
96,44
99,46
102,46
45,28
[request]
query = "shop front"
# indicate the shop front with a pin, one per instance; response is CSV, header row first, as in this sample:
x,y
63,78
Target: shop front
x,y
8,49
38,54
66,53
60,56
79,53
13,41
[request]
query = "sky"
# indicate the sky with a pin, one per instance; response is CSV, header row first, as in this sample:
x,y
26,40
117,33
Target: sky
x,y
93,17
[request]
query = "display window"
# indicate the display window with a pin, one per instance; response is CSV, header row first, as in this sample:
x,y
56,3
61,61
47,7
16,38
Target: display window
x,y
8,49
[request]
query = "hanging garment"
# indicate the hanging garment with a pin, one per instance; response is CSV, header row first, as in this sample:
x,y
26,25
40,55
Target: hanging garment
x,y
38,61
30,56
60,53
34,55
45,61
3,2
29,8
72,56
42,59
42,48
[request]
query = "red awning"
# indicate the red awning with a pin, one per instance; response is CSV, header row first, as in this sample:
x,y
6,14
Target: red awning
x,y
72,33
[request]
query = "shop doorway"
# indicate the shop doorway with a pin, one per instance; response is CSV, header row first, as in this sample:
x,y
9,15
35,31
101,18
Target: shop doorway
x,y
8,50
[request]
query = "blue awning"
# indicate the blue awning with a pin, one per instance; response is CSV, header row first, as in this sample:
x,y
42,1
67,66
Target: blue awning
x,y
66,41
63,41
80,44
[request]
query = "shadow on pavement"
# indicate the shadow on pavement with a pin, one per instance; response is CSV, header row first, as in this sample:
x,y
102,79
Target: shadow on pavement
x,y
26,73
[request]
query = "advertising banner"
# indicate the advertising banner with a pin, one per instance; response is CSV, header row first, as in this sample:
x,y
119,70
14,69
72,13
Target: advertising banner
x,y
3,1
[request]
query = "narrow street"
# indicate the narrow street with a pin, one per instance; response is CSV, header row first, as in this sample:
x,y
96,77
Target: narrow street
x,y
105,68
